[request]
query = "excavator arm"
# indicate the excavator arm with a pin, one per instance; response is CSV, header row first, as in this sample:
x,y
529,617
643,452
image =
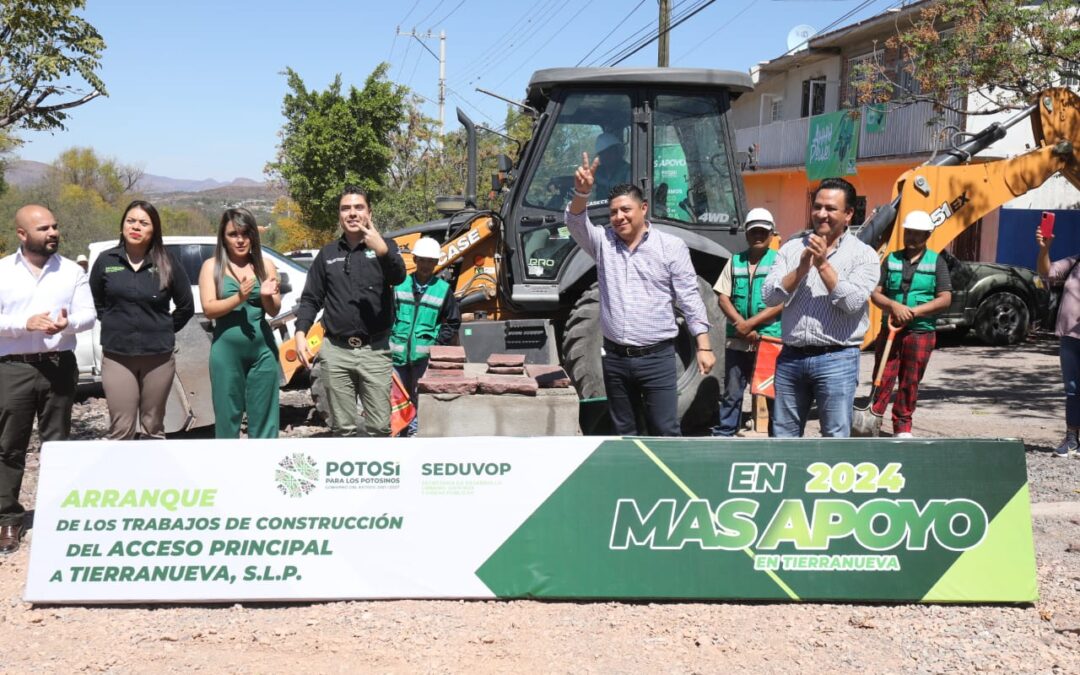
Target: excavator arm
x,y
957,194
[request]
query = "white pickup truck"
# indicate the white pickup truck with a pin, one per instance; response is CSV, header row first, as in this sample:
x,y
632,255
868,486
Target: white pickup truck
x,y
189,403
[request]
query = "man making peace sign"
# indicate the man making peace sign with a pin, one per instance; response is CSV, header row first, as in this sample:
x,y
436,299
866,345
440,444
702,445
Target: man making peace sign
x,y
643,273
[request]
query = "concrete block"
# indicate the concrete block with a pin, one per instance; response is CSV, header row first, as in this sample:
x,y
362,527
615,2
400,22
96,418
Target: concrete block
x,y
552,412
506,360
445,365
500,370
548,376
460,384
507,384
451,353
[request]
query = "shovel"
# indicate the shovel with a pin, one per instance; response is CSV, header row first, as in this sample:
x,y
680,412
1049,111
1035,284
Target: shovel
x,y
864,422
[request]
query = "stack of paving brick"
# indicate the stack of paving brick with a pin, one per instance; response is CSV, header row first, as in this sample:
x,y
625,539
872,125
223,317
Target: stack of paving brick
x,y
446,373
506,375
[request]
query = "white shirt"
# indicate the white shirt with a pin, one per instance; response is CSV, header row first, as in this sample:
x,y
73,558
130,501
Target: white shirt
x,y
62,285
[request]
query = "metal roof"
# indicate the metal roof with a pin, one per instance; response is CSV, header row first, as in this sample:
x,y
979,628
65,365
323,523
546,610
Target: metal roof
x,y
736,82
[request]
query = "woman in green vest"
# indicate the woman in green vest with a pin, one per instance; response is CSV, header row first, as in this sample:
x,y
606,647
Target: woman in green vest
x,y
739,293
914,286
426,314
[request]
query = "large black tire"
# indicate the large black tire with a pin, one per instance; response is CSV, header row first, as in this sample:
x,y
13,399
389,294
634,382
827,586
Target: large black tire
x,y
1002,319
698,396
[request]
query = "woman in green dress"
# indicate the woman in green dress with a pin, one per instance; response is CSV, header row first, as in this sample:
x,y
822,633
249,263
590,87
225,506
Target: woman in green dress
x,y
238,289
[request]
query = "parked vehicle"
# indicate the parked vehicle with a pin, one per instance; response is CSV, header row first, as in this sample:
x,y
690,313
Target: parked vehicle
x,y
189,404
1000,302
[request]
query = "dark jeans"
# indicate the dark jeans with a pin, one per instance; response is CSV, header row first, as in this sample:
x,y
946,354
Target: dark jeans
x,y
738,370
410,375
1070,375
44,390
643,385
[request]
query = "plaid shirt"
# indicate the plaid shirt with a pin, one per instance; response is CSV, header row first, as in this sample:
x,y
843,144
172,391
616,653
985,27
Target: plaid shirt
x,y
639,289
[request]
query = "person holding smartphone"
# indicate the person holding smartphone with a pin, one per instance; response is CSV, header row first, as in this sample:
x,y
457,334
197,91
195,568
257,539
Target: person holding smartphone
x,y
1065,273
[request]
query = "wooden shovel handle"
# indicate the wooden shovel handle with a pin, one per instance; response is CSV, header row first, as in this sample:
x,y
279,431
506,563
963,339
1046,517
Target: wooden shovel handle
x,y
893,330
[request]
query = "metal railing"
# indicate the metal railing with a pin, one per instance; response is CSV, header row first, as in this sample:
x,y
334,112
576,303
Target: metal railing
x,y
911,130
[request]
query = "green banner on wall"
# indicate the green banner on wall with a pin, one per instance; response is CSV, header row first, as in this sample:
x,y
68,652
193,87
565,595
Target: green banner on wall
x,y
832,145
875,118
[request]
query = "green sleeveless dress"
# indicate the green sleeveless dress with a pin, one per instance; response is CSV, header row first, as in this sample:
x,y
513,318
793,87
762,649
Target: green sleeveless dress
x,y
244,372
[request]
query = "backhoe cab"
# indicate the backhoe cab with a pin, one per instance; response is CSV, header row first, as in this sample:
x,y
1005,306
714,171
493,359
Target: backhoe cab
x,y
664,130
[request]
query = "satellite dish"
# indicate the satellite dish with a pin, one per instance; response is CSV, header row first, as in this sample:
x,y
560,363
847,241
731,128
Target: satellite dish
x,y
797,37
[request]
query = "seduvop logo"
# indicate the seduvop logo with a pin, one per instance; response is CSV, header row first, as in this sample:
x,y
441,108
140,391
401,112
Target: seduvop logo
x,y
296,475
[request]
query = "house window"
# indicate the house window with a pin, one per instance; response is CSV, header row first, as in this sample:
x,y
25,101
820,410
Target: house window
x,y
908,84
813,97
776,112
857,74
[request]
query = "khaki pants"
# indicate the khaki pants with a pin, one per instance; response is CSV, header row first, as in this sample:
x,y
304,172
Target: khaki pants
x,y
357,371
137,391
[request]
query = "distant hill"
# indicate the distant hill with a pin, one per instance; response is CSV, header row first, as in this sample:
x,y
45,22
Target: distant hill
x,y
24,173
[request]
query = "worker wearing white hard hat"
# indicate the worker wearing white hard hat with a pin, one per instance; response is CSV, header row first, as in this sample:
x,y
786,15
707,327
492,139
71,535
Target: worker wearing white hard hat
x,y
613,169
749,320
83,262
426,314
914,286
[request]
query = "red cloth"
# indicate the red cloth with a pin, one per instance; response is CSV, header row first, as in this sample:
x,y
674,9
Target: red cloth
x,y
765,368
402,410
907,362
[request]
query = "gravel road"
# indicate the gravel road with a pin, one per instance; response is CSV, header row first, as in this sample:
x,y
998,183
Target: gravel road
x,y
970,391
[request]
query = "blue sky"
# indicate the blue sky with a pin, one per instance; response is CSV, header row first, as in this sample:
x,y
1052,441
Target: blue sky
x,y
195,88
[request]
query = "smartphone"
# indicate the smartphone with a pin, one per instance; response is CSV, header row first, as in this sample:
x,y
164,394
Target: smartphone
x,y
1046,226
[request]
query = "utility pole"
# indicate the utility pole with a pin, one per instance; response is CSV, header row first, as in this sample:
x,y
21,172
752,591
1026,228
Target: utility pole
x,y
663,45
441,58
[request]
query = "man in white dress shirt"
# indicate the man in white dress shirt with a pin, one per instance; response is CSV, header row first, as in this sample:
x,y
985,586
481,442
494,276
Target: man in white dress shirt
x,y
44,301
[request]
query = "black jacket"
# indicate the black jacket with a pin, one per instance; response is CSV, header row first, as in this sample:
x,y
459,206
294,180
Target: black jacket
x,y
134,312
357,304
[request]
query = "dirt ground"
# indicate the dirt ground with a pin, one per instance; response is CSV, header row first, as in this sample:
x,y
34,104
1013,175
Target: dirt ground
x,y
970,391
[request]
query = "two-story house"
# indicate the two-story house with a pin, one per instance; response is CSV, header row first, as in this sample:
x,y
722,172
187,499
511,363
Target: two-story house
x,y
772,125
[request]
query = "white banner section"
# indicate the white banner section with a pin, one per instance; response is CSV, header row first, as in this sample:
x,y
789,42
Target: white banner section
x,y
285,519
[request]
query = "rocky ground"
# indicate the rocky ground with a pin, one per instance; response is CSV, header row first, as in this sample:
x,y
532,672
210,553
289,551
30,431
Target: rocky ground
x,y
970,391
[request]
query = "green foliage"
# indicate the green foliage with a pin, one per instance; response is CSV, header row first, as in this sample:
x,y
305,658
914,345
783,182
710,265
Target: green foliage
x,y
332,139
425,166
87,194
1006,50
44,46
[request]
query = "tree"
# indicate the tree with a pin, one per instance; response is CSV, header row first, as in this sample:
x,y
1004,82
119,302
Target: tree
x,y
331,140
1005,50
105,177
294,234
44,47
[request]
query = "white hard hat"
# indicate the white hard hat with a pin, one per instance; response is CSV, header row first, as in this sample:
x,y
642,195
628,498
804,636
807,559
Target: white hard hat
x,y
919,221
605,141
427,247
81,259
758,218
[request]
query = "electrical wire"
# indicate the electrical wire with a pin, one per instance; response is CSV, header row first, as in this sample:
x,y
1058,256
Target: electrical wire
x,y
717,31
675,23
610,33
640,34
447,16
421,21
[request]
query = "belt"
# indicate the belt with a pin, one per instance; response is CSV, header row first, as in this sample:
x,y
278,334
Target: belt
x,y
357,341
816,350
39,357
629,350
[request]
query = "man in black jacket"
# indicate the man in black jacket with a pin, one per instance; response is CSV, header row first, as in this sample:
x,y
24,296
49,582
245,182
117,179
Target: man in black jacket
x,y
352,281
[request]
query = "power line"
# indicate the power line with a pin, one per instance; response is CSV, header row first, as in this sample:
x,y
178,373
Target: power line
x,y
717,31
515,71
433,10
401,64
632,38
610,33
674,24
496,49
450,14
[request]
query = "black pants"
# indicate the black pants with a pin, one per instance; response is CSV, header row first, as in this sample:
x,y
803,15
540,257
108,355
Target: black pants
x,y
45,390
643,386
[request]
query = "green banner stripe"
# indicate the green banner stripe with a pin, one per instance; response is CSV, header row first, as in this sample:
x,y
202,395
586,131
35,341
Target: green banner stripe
x,y
989,571
690,493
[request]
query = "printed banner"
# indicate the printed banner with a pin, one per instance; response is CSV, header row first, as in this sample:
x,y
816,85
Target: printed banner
x,y
308,519
875,118
832,145
669,170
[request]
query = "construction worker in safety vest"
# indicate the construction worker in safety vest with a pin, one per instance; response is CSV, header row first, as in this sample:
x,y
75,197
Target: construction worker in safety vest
x,y
426,314
914,286
738,290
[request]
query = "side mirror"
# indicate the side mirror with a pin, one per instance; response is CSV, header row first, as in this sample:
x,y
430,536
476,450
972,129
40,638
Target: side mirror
x,y
504,163
283,283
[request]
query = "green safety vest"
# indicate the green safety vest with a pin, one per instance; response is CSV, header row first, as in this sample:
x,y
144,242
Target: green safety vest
x,y
416,325
923,287
746,292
